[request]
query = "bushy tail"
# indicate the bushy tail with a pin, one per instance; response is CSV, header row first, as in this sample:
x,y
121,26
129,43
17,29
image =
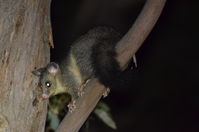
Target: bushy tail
x,y
103,59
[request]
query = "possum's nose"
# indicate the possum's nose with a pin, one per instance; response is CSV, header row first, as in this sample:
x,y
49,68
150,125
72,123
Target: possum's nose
x,y
45,96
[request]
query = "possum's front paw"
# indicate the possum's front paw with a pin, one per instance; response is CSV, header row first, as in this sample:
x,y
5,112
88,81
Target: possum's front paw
x,y
71,106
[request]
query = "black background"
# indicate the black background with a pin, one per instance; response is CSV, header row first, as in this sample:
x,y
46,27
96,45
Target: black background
x,y
161,94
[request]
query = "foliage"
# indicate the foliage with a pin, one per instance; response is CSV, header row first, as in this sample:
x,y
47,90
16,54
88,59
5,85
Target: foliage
x,y
58,108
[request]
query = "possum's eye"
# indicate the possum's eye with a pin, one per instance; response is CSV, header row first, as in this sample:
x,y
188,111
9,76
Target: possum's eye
x,y
48,84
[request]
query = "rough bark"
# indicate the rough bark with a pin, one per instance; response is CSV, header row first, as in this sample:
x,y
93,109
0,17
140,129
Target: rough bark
x,y
126,48
25,35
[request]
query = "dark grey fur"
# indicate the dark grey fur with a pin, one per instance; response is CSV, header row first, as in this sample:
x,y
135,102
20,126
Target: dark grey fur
x,y
95,55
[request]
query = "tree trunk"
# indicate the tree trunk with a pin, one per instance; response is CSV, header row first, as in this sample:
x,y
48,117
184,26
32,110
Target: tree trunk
x,y
25,35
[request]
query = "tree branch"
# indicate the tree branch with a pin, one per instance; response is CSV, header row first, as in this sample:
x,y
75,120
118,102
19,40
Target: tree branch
x,y
143,25
125,48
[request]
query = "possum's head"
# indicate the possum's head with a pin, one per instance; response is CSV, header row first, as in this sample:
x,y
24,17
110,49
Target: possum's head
x,y
50,79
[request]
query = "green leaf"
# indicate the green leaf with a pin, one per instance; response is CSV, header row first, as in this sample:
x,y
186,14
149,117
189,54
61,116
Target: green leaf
x,y
102,111
54,120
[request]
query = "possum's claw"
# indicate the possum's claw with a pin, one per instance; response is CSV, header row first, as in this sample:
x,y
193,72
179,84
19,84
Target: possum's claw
x,y
80,93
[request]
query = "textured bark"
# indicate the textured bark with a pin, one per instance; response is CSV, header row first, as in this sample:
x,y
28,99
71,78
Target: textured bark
x,y
25,35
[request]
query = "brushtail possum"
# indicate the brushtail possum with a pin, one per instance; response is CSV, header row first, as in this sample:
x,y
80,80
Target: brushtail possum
x,y
92,55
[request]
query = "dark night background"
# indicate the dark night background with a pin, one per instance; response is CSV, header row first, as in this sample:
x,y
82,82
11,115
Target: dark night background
x,y
160,95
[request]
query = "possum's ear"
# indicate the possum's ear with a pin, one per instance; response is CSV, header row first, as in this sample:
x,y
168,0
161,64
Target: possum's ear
x,y
53,68
38,72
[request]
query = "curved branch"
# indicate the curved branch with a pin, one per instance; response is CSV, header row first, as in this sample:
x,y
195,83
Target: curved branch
x,y
125,48
143,25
